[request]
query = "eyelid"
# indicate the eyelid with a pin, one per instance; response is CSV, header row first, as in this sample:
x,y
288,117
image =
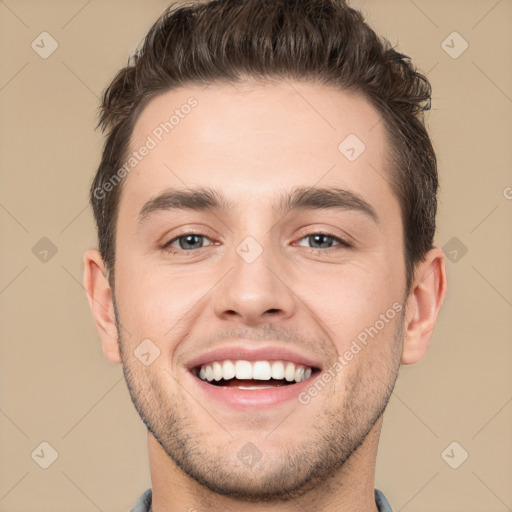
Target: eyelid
x,y
187,229
342,242
314,229
186,233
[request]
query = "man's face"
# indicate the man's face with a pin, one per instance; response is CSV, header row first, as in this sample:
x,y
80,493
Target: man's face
x,y
284,285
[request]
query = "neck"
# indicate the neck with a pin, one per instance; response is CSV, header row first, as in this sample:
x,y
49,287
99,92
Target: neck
x,y
351,488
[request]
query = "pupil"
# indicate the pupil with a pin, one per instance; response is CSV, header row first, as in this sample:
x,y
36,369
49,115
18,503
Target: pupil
x,y
185,241
316,239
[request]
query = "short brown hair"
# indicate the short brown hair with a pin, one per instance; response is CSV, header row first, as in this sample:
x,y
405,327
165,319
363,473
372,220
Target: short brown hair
x,y
321,41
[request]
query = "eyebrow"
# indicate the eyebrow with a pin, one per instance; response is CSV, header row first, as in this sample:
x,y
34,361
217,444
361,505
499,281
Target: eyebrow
x,y
299,198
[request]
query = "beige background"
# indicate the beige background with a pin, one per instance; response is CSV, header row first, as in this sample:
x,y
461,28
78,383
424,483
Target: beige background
x,y
56,386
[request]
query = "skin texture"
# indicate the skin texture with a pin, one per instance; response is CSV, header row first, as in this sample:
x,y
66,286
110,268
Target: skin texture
x,y
254,143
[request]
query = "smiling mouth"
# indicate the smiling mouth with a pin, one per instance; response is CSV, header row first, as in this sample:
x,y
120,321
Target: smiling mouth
x,y
243,374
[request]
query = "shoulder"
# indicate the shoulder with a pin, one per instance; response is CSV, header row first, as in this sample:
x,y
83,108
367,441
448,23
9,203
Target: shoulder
x,y
143,502
381,501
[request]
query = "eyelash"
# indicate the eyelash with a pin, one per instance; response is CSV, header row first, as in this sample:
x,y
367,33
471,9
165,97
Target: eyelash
x,y
341,243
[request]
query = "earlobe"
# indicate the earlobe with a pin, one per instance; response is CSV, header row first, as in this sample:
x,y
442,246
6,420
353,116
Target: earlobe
x,y
99,295
423,305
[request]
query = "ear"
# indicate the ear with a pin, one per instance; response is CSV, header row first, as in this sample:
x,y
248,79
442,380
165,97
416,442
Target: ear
x,y
99,295
423,304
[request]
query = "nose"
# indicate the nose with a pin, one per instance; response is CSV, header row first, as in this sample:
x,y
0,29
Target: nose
x,y
255,292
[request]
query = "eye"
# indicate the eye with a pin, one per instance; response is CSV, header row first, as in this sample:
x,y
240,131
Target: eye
x,y
190,242
324,240
186,242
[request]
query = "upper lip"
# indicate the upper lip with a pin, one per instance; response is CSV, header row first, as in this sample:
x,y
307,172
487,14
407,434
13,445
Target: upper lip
x,y
252,353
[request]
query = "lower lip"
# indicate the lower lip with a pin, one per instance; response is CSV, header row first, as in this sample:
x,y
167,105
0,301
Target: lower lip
x,y
253,398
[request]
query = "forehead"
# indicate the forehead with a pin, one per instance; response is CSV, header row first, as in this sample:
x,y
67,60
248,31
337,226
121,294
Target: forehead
x,y
255,140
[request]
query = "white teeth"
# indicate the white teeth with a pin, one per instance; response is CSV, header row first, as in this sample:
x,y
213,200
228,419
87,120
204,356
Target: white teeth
x,y
277,370
299,372
217,371
261,370
228,370
258,370
243,370
289,372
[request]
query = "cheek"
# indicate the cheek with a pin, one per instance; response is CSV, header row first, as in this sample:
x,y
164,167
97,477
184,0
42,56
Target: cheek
x,y
349,299
156,302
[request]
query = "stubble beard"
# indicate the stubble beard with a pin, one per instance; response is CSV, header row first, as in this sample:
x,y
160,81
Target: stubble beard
x,y
336,433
